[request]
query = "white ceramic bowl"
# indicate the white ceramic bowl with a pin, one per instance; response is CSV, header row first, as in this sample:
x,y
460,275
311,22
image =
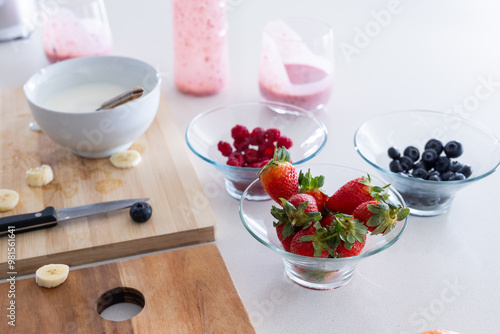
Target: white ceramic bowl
x,y
95,134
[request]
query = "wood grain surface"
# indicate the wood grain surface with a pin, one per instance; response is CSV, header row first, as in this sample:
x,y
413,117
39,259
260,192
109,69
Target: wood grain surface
x,y
181,213
185,291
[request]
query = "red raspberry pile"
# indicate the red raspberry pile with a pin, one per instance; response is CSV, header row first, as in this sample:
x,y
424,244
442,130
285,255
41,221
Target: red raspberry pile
x,y
252,149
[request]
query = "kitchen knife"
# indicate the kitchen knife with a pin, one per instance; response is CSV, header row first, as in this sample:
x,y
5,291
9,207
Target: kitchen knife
x,y
49,217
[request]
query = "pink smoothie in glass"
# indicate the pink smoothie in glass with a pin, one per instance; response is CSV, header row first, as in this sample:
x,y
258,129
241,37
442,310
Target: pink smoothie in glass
x,y
200,46
310,87
66,36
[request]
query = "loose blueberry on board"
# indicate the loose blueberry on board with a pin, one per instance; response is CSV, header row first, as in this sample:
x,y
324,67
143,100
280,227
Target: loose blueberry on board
x,y
453,149
140,212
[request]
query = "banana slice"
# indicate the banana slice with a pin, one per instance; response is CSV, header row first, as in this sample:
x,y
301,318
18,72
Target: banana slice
x,y
126,159
39,176
8,199
51,275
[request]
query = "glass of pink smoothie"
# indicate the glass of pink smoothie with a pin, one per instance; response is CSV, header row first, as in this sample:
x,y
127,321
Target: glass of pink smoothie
x,y
296,63
77,29
201,65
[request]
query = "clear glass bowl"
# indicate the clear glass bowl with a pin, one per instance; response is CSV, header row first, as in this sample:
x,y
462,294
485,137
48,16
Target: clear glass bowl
x,y
316,273
307,132
415,127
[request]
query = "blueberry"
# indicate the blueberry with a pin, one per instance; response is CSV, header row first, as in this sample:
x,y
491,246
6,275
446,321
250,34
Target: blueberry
x,y
455,166
420,173
435,145
466,170
453,149
406,163
420,164
393,153
447,175
442,164
457,177
434,177
412,152
141,212
429,157
395,166
434,172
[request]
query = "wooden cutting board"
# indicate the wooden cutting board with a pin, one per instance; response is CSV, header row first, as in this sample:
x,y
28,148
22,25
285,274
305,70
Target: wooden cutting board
x,y
181,212
184,291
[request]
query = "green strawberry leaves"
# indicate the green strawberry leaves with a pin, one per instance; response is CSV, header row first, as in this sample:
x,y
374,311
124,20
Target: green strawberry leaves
x,y
385,216
308,182
281,154
344,228
376,192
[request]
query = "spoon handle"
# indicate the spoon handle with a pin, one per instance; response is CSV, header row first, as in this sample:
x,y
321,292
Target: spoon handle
x,y
125,97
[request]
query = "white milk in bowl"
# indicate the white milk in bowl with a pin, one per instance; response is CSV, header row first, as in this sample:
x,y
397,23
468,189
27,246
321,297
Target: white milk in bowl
x,y
83,98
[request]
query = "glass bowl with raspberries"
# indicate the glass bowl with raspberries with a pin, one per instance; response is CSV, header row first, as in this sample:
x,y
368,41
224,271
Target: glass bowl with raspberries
x,y
428,156
239,139
323,219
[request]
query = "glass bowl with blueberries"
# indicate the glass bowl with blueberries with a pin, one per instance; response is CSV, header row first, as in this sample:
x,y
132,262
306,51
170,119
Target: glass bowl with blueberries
x,y
239,139
428,156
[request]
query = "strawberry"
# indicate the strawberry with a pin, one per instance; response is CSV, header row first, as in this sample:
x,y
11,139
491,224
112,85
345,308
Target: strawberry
x,y
380,217
291,219
353,193
279,177
312,186
296,199
327,220
343,232
304,243
354,249
285,241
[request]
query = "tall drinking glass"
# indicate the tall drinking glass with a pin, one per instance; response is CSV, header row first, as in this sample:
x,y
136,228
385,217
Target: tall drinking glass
x,y
296,63
78,28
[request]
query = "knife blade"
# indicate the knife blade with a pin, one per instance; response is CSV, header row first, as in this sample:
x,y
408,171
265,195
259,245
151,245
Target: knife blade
x,y
49,217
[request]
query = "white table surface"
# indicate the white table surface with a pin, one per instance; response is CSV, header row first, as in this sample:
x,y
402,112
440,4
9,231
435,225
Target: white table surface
x,y
444,272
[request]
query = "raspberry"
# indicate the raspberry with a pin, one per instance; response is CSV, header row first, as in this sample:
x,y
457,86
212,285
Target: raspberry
x,y
272,135
257,136
284,141
234,162
241,144
266,150
251,155
239,131
236,159
225,148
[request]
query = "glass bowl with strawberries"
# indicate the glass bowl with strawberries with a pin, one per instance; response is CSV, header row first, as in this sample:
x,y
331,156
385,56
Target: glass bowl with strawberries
x,y
239,139
428,156
328,223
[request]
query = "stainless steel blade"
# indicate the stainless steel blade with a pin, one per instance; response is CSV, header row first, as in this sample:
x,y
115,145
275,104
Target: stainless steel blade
x,y
94,209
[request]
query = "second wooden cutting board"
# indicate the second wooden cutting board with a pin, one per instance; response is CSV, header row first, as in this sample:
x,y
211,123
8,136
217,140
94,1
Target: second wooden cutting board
x,y
181,212
181,291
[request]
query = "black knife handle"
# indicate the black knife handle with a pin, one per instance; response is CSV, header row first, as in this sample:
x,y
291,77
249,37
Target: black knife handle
x,y
28,221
